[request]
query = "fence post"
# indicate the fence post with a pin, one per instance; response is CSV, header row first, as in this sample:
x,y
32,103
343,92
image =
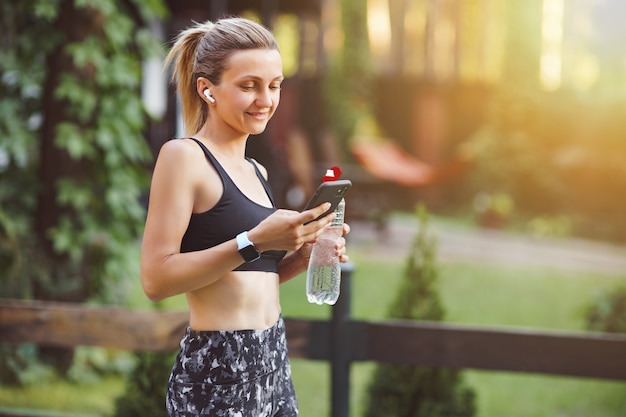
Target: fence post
x,y
341,346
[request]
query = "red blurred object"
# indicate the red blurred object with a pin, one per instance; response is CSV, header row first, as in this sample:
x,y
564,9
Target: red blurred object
x,y
389,162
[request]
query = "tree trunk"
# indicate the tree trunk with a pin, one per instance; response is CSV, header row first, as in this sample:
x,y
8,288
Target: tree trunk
x,y
397,16
57,282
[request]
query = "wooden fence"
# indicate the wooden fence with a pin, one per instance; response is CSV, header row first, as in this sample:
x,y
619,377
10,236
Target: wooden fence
x,y
341,341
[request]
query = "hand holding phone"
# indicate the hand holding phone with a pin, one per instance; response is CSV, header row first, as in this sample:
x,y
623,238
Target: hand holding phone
x,y
332,192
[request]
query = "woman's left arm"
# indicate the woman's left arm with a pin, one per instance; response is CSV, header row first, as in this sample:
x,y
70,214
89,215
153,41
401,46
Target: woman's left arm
x,y
297,262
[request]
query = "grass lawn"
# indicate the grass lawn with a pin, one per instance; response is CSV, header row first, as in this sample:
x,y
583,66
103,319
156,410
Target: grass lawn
x,y
90,399
494,295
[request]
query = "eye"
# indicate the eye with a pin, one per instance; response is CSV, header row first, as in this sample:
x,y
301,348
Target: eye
x,y
247,87
275,87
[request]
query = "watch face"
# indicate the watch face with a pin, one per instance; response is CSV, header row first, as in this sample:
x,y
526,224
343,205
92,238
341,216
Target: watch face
x,y
249,253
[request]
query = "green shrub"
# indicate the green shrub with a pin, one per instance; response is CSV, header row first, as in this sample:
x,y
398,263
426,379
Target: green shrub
x,y
413,391
146,385
608,313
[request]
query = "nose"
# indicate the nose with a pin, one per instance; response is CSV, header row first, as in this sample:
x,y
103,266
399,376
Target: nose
x,y
265,98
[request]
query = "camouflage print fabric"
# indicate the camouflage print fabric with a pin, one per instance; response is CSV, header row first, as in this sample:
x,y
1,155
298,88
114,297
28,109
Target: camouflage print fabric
x,y
243,373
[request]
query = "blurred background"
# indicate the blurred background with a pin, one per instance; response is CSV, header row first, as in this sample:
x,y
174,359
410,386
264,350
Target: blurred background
x,y
500,110
505,119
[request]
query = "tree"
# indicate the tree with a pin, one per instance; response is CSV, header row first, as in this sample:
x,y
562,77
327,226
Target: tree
x,y
72,153
413,391
348,85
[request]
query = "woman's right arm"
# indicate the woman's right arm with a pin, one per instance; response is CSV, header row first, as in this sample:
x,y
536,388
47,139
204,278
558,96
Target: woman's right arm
x,y
165,271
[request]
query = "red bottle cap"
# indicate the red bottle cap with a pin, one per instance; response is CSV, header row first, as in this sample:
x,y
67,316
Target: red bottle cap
x,y
332,174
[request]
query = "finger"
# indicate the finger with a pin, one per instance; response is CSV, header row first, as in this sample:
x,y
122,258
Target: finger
x,y
340,243
312,214
340,247
346,228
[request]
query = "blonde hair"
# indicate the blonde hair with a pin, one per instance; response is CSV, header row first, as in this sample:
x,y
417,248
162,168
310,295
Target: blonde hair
x,y
203,50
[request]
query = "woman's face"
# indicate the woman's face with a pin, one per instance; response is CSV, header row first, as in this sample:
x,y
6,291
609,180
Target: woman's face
x,y
249,90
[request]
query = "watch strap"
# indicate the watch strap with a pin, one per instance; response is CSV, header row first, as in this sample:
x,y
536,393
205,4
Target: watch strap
x,y
246,248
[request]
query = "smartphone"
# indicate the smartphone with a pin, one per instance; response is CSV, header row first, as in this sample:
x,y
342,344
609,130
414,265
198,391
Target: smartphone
x,y
332,192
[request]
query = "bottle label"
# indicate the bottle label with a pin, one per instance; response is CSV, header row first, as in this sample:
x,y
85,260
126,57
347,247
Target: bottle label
x,y
339,214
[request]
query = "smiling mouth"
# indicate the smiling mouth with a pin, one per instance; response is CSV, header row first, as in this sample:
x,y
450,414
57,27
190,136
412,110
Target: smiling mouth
x,y
259,115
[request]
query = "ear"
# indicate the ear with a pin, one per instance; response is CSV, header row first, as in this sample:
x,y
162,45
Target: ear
x,y
202,85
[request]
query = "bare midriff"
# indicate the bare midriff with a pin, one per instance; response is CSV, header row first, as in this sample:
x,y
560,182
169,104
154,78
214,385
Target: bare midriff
x,y
241,300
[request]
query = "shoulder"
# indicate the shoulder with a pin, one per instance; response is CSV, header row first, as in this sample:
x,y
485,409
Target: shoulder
x,y
180,149
261,168
179,159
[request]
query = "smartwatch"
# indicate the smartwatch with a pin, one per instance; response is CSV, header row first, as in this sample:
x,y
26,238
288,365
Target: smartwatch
x,y
246,248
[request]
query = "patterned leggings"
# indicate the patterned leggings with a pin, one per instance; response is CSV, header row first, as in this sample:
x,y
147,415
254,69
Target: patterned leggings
x,y
243,373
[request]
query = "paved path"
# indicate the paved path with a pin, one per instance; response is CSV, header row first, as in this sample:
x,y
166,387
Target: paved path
x,y
483,245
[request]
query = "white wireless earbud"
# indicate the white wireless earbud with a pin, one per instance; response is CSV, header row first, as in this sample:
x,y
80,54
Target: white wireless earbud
x,y
208,96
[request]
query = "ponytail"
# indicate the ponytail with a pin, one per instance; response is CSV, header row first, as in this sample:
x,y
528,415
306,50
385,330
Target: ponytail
x,y
202,51
183,57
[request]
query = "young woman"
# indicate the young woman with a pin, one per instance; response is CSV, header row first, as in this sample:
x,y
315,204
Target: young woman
x,y
213,233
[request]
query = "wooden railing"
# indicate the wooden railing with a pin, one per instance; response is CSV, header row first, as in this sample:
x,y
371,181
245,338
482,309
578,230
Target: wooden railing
x,y
341,340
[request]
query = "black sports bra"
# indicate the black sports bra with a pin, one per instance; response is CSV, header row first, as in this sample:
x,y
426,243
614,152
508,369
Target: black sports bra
x,y
233,214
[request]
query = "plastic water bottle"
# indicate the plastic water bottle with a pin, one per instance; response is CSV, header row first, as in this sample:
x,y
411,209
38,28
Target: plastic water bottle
x,y
323,276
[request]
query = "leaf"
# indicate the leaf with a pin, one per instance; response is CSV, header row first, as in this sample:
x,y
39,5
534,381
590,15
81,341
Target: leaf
x,y
87,52
106,7
151,9
150,46
74,195
46,9
75,140
119,71
64,239
119,31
